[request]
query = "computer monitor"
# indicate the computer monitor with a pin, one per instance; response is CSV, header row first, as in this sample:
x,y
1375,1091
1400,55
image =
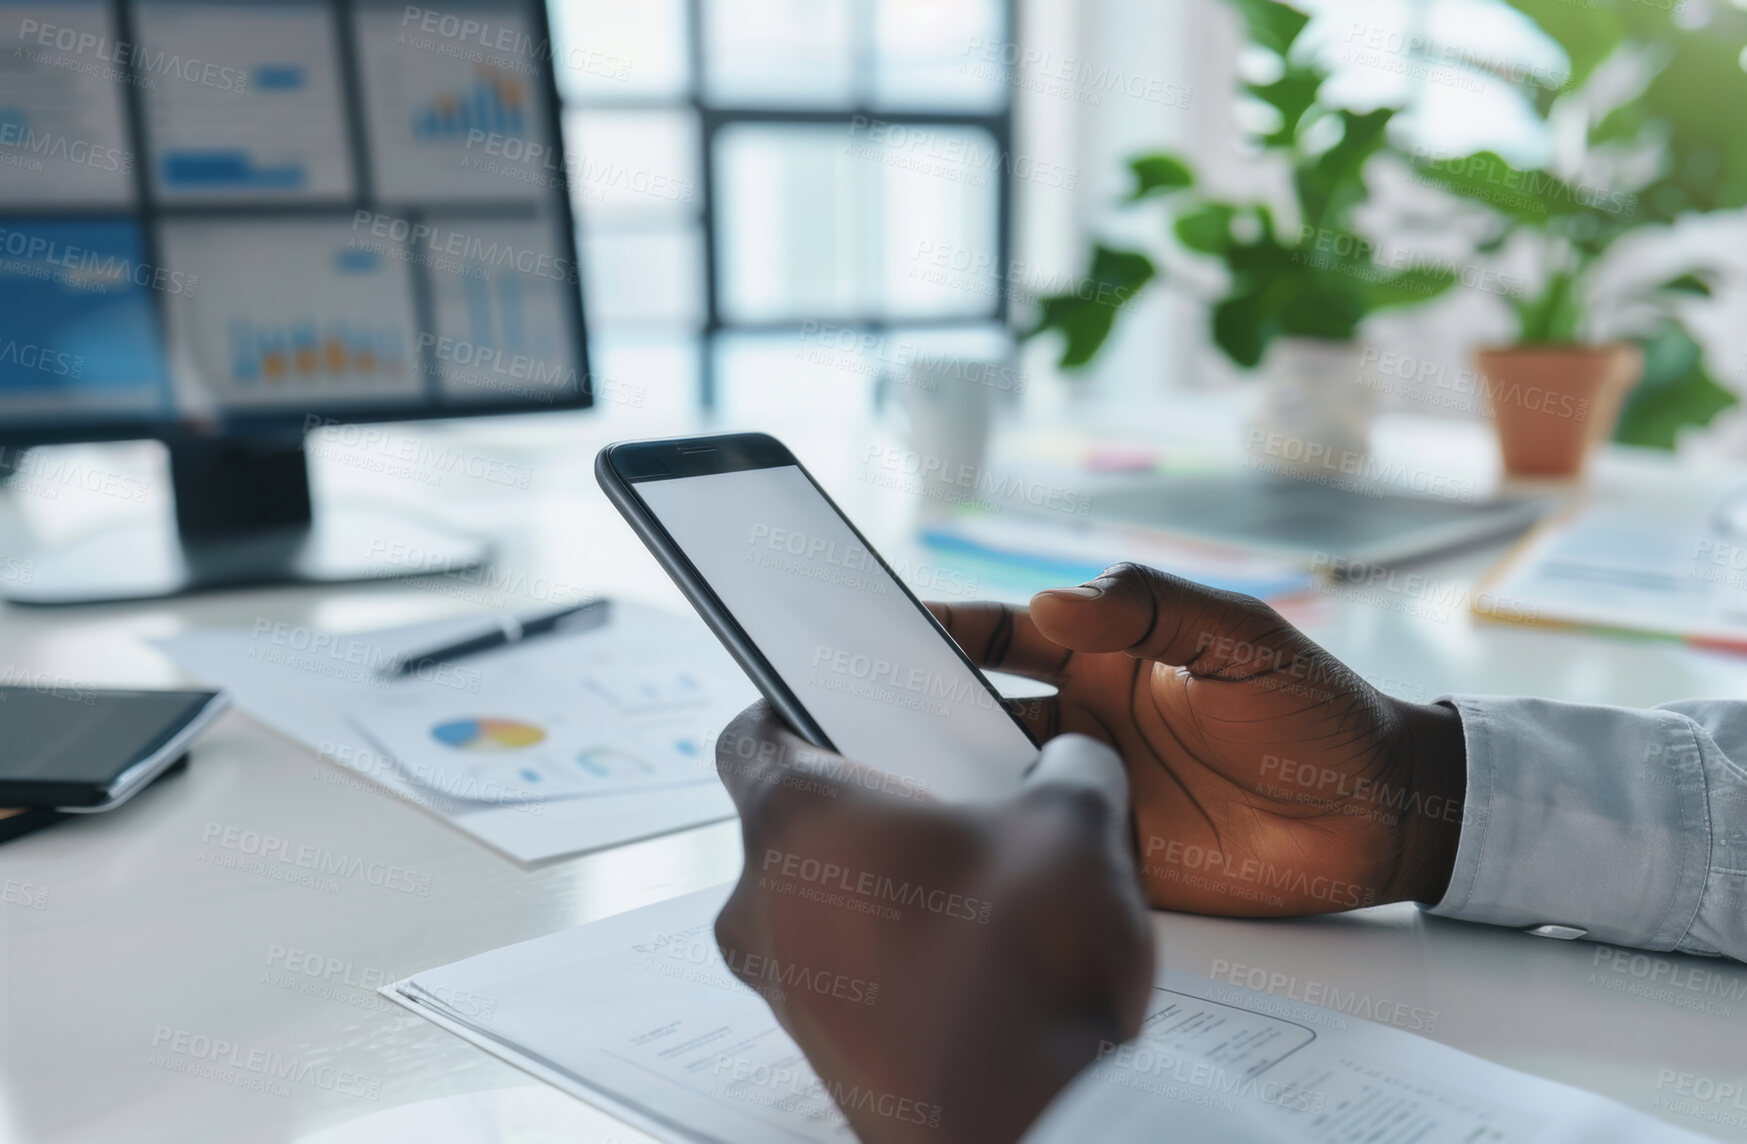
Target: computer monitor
x,y
226,222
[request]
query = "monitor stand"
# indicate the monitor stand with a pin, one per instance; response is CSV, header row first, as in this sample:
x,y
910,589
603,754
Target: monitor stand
x,y
243,519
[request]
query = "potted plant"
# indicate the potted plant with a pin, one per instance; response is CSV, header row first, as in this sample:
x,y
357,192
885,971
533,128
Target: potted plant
x,y
1663,147
1296,291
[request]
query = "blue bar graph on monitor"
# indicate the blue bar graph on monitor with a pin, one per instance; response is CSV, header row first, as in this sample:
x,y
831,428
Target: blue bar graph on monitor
x,y
201,170
304,351
494,103
496,318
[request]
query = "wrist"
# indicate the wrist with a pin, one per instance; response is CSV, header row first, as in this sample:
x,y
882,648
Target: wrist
x,y
1433,812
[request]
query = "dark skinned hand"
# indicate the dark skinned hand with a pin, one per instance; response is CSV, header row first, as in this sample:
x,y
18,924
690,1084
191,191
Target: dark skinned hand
x,y
1000,943
1268,778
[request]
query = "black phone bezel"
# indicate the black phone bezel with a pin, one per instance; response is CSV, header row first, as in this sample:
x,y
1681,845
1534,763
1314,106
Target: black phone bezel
x,y
622,465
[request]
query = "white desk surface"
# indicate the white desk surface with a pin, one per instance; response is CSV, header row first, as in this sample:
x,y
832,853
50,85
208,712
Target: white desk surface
x,y
137,935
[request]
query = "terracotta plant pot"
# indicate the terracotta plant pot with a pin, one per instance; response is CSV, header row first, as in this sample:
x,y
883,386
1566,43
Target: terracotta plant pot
x,y
1552,402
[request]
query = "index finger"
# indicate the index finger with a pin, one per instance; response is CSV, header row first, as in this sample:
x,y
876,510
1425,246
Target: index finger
x,y
1002,637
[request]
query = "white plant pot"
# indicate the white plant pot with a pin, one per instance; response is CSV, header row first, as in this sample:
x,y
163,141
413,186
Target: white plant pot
x,y
1315,415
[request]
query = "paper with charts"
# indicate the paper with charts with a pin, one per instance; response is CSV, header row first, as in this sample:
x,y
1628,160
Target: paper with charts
x,y
638,1014
631,706
586,728
561,745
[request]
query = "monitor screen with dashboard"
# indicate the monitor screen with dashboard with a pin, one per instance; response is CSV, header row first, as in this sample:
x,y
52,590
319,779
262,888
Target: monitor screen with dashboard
x,y
226,216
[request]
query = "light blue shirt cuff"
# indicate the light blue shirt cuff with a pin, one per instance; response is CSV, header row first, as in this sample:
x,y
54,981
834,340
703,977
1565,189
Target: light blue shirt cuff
x,y
1591,818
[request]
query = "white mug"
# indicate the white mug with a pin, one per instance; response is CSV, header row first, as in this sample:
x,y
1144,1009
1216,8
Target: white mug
x,y
949,405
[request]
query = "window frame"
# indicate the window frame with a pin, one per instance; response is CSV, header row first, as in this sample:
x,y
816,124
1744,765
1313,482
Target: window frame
x,y
713,119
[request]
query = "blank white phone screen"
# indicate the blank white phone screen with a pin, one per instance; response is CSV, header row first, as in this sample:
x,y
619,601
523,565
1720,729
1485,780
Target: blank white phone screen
x,y
865,663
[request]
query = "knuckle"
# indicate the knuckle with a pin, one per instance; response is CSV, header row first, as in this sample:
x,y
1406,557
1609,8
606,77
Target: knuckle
x,y
733,924
729,744
1239,602
1081,810
1177,591
1172,591
1129,571
745,903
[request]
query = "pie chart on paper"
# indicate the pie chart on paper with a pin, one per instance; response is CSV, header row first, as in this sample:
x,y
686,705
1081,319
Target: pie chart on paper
x,y
488,734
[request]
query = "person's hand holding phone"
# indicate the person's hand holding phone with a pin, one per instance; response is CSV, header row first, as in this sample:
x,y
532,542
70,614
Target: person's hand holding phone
x,y
945,968
1268,778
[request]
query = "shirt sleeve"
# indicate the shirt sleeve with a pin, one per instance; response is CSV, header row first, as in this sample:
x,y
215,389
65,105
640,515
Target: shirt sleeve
x,y
1621,826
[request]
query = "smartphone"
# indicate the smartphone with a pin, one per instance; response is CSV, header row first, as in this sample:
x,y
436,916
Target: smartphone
x,y
835,641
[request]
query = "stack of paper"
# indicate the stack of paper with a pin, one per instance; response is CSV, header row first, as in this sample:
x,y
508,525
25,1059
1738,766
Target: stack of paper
x,y
639,1014
560,745
1675,570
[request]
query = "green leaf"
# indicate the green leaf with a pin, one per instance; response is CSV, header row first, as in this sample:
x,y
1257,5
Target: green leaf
x,y
1292,95
1687,284
1086,315
1326,305
1621,125
1409,287
1264,259
1552,316
1158,175
1243,326
1272,25
1124,271
1207,228
1693,95
1676,391
1698,97
1670,353
1332,183
1526,196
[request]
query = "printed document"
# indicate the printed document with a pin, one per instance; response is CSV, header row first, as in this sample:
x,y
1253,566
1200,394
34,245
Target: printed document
x,y
639,1014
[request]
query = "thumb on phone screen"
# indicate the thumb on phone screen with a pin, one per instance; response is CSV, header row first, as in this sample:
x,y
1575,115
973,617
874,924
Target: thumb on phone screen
x,y
1081,762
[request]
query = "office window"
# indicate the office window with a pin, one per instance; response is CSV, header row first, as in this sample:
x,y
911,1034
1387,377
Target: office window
x,y
755,177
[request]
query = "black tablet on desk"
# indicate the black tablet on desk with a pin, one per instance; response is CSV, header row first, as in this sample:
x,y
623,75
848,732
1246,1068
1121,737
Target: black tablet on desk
x,y
82,750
